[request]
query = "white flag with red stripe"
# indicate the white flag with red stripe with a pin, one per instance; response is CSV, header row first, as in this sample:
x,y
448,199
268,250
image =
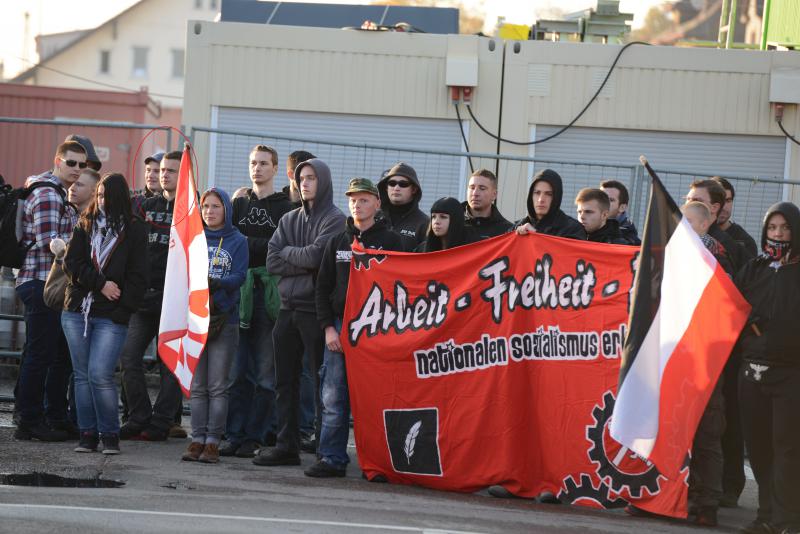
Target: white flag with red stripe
x,y
183,328
686,316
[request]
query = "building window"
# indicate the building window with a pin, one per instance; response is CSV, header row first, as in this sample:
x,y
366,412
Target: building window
x,y
198,4
177,63
140,61
105,61
213,4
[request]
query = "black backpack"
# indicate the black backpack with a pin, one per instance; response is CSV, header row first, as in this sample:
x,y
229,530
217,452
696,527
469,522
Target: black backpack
x,y
12,251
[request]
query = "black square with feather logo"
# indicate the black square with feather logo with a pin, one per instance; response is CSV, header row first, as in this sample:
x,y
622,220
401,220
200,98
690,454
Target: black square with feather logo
x,y
413,440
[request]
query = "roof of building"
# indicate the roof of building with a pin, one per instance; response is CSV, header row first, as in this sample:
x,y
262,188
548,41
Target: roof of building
x,y
427,19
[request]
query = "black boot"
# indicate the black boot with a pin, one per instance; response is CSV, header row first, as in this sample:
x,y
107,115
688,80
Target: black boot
x,y
39,431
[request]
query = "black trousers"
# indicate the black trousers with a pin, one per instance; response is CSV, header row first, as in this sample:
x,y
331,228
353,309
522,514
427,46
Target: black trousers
x,y
733,478
294,332
770,404
143,327
705,470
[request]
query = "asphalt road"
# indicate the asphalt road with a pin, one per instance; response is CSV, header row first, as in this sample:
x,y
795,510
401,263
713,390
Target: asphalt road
x,y
163,494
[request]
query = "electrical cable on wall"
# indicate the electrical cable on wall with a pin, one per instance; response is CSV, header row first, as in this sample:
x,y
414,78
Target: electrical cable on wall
x,y
573,121
787,134
463,136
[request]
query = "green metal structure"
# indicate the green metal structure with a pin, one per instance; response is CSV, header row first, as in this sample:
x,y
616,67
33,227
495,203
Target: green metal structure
x,y
781,24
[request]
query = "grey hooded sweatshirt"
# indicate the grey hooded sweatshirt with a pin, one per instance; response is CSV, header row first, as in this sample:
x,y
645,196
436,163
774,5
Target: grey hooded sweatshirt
x,y
296,248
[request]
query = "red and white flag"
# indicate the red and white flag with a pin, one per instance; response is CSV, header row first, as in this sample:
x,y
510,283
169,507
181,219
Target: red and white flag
x,y
685,318
183,329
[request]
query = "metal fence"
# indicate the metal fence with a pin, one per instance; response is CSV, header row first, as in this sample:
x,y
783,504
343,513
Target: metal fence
x,y
121,146
444,173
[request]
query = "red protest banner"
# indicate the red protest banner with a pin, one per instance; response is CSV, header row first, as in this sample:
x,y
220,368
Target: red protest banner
x,y
497,363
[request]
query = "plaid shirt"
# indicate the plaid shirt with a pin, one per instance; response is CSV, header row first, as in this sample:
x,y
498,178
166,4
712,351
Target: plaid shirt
x,y
45,216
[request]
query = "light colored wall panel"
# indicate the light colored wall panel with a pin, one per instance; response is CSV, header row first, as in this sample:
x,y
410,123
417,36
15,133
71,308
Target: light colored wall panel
x,y
393,74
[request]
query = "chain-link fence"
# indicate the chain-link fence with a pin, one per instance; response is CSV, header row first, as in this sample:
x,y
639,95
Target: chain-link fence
x,y
754,195
444,173
441,173
120,146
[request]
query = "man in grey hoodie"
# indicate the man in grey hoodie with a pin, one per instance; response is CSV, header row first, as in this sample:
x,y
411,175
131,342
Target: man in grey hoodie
x,y
295,253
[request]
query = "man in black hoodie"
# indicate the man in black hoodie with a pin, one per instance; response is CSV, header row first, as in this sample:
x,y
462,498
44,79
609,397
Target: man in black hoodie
x,y
400,195
331,290
593,209
295,253
146,421
480,212
769,380
544,209
251,411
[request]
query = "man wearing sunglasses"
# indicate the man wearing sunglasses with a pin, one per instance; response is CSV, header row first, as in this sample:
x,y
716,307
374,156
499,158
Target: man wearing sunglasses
x,y
400,195
92,160
46,216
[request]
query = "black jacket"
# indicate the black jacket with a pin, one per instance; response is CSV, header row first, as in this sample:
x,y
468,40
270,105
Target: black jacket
x,y
736,253
334,273
257,218
158,214
774,294
485,227
741,237
628,231
408,220
556,222
609,233
458,233
127,267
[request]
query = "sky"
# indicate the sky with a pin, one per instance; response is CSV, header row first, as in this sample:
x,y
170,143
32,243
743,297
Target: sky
x,y
52,16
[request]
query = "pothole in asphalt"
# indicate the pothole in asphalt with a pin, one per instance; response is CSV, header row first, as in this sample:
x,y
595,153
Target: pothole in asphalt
x,y
55,481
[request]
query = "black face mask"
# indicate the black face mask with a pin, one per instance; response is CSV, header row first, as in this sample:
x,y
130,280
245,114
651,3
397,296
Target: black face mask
x,y
777,250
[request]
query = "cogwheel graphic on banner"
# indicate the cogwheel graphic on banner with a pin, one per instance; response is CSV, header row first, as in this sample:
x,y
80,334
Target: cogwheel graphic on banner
x,y
623,475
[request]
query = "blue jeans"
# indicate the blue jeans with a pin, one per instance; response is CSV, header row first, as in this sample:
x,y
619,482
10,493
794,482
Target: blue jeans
x,y
42,375
94,359
251,408
335,407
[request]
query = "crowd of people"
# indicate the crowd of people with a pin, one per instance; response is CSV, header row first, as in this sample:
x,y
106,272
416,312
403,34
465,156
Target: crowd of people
x,y
272,383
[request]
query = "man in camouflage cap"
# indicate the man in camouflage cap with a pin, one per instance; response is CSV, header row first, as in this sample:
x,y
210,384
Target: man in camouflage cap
x,y
331,289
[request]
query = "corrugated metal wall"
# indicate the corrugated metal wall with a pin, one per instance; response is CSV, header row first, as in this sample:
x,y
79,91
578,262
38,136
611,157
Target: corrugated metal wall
x,y
652,88
317,69
694,154
439,175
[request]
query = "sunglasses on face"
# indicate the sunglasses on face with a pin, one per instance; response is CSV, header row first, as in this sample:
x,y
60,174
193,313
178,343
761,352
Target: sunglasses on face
x,y
72,163
396,183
